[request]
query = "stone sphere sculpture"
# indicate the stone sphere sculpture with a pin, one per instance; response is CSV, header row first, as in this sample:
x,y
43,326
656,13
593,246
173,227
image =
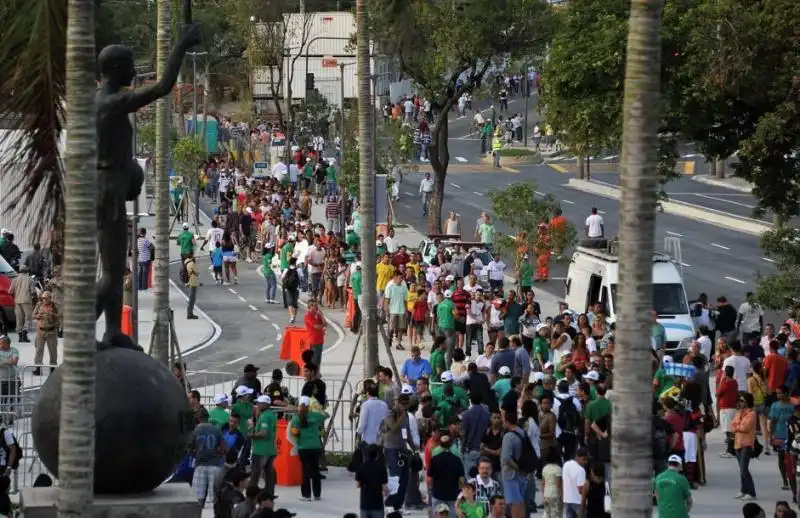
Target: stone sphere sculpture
x,y
143,422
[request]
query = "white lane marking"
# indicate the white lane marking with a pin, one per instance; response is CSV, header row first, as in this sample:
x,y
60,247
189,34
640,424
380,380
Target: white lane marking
x,y
242,298
734,279
237,360
567,201
691,155
476,192
767,259
612,157
745,205
278,336
674,234
276,326
455,185
537,192
687,265
264,317
720,246
405,205
408,193
253,307
461,159
232,290
601,212
267,347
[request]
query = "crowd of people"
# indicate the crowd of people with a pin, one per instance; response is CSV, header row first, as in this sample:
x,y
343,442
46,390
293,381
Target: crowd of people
x,y
497,402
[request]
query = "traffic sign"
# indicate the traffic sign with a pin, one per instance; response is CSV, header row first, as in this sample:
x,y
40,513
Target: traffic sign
x,y
330,62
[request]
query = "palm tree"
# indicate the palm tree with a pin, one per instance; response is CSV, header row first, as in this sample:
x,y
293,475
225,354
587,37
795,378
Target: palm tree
x,y
160,337
631,442
76,439
367,190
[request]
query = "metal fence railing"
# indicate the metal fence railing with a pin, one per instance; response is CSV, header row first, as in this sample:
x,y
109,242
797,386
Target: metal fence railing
x,y
19,394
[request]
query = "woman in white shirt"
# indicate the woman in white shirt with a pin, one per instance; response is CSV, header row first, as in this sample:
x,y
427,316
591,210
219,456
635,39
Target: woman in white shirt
x,y
484,360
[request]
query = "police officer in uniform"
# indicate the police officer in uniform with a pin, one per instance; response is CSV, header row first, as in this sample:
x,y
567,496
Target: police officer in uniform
x,y
46,317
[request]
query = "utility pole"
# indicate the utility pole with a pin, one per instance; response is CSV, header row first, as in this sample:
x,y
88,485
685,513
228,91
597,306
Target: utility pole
x,y
342,197
194,89
527,92
367,191
160,331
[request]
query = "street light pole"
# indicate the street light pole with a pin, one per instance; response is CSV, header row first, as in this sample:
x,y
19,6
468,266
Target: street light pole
x,y
342,204
194,89
527,92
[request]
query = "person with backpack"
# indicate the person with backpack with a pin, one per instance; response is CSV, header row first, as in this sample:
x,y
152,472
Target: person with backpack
x,y
290,280
518,463
567,409
188,274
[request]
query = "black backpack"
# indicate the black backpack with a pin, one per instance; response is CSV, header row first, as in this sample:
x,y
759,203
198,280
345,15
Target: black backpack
x,y
7,448
569,419
292,280
527,462
661,430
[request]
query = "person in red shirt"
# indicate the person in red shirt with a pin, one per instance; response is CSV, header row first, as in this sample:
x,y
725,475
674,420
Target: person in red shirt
x,y
776,367
678,422
315,330
727,398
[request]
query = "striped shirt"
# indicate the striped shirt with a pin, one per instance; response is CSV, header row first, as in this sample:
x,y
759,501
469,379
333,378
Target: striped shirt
x,y
332,210
144,249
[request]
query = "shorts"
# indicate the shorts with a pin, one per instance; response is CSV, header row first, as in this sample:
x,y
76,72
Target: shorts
x,y
218,269
514,490
461,327
419,325
229,259
203,482
291,298
726,416
397,322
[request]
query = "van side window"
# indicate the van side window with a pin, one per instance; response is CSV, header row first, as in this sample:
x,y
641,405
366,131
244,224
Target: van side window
x,y
604,298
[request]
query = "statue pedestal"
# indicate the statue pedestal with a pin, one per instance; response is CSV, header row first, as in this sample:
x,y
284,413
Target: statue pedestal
x,y
166,501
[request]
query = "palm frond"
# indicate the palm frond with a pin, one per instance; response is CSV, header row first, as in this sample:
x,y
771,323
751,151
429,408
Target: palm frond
x,y
32,90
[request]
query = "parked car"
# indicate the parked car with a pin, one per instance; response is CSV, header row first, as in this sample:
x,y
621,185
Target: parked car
x,y
433,242
7,316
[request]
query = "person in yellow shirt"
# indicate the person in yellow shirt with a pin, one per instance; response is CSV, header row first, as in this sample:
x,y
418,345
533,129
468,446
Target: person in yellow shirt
x,y
384,271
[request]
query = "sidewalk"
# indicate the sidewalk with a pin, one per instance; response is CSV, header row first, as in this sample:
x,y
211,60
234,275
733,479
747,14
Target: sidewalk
x,y
192,334
734,183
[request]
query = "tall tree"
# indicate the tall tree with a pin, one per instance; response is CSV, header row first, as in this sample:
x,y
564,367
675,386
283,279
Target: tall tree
x,y
447,48
160,337
631,438
366,188
76,439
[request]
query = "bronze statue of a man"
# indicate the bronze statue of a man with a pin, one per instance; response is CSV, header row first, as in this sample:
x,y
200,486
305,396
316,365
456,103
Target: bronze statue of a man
x,y
119,176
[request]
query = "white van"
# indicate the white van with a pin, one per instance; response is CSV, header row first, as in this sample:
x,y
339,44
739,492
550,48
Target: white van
x,y
593,276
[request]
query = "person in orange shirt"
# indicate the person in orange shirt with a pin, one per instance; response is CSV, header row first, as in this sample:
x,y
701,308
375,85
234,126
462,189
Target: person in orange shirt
x,y
776,367
558,225
542,253
744,429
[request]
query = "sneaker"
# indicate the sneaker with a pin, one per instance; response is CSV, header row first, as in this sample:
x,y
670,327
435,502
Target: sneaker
x,y
317,498
305,498
739,496
725,455
748,498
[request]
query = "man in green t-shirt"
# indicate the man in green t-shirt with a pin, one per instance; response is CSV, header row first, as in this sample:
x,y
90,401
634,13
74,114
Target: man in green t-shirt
x,y
446,323
356,281
219,415
264,449
351,237
270,282
598,411
186,241
286,253
525,276
672,491
330,180
485,233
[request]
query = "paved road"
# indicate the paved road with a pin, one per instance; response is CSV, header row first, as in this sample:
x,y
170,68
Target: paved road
x,y
716,261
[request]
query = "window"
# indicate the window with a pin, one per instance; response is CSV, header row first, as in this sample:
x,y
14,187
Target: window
x,y
668,299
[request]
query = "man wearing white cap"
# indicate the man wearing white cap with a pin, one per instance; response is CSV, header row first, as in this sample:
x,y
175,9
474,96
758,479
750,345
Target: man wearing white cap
x,y
673,494
219,415
186,240
263,435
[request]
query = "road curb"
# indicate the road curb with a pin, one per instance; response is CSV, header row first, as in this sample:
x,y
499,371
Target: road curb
x,y
686,210
705,179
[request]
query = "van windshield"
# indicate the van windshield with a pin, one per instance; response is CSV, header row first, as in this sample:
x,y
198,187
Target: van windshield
x,y
668,299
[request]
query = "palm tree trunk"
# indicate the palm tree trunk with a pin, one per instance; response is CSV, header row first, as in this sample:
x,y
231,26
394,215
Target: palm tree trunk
x,y
367,191
76,440
633,395
160,336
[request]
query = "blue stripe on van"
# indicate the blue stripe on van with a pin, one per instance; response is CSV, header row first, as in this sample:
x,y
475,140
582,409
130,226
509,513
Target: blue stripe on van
x,y
682,327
